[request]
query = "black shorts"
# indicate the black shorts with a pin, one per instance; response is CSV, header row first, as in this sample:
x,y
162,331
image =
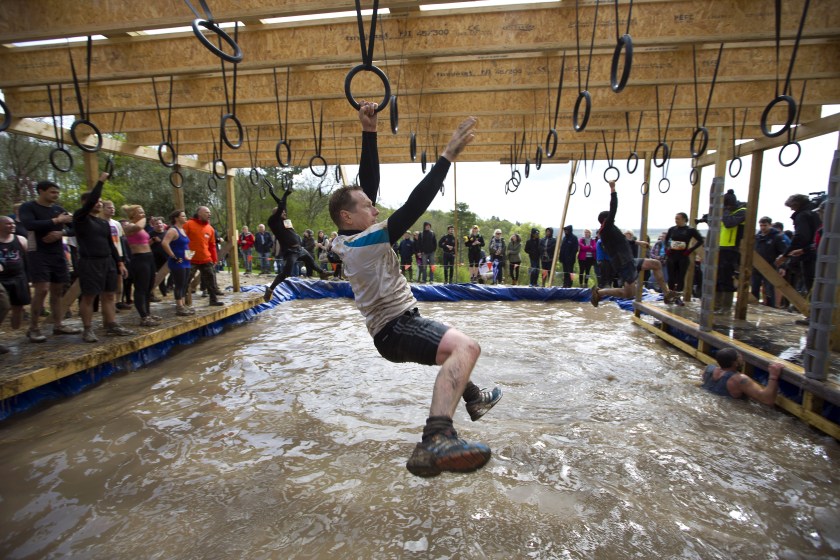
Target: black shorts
x,y
18,290
47,267
97,275
546,265
410,338
630,271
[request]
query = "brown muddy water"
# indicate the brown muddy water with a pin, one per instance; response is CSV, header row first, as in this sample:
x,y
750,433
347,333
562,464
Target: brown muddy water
x,y
287,438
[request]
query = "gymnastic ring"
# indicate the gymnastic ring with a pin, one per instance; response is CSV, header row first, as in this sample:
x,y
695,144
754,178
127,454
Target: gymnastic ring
x,y
587,189
288,153
223,130
552,138
798,153
7,116
513,186
667,153
538,158
235,58
735,173
634,157
313,160
584,95
261,192
516,178
395,115
645,188
791,104
704,141
625,42
507,186
572,188
692,177
212,184
412,147
667,181
376,70
216,163
109,166
254,176
617,173
423,161
527,167
96,133
442,187
172,176
69,159
337,173
171,150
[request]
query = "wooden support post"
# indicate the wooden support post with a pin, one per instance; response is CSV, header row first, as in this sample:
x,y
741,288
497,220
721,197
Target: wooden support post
x,y
178,199
695,210
91,169
562,223
455,223
232,232
643,228
748,241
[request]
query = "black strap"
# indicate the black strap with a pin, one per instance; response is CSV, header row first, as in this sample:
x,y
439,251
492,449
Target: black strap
x,y
607,149
230,107
711,89
737,149
629,18
559,90
59,138
785,91
792,130
367,51
317,137
166,136
252,156
591,44
82,113
207,15
663,139
277,101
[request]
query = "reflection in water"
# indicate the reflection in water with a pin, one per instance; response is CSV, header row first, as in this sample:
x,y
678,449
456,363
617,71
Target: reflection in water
x,y
287,438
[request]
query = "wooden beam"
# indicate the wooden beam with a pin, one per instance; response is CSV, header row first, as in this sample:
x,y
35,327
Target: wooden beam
x,y
748,241
769,272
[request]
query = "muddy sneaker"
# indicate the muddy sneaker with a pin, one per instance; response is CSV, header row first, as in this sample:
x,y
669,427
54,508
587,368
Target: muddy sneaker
x,y
149,322
595,297
444,452
34,335
118,330
182,311
673,298
484,403
89,336
64,329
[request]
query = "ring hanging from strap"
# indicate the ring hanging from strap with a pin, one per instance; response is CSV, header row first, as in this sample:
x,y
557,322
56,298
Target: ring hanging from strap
x,y
412,147
423,161
580,125
634,158
216,163
66,152
791,107
538,158
551,143
7,116
337,173
367,59
235,58
254,176
732,173
512,185
173,156
587,189
704,141
109,166
318,160
96,133
667,182
624,43
798,153
395,115
645,188
666,153
223,130
617,173
176,178
376,70
692,177
212,184
261,192
527,167
572,188
516,178
284,144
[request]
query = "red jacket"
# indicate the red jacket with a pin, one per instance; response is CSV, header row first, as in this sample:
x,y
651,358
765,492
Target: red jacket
x,y
246,241
202,241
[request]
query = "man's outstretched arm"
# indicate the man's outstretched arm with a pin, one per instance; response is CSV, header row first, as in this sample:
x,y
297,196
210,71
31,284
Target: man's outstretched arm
x,y
369,162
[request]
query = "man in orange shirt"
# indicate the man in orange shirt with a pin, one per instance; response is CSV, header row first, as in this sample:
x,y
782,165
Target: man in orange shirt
x,y
203,245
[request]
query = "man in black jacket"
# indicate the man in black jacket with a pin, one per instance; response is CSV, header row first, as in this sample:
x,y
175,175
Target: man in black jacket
x,y
448,244
547,245
532,249
263,244
769,244
428,246
801,250
568,255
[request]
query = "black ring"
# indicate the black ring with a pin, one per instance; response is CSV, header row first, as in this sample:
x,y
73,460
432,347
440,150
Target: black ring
x,y
261,192
516,178
171,149
666,180
395,115
222,130
587,189
538,158
288,153
587,109
527,167
209,25
423,161
791,115
442,187
312,162
645,188
176,173
624,41
412,147
109,166
692,177
704,142
511,185
69,159
507,186
798,153
375,69
572,188
736,173
95,132
551,137
212,184
337,173
617,173
667,154
7,119
216,163
254,176
634,157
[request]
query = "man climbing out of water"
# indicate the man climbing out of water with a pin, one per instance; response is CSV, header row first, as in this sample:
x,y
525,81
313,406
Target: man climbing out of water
x,y
627,268
726,379
290,242
383,296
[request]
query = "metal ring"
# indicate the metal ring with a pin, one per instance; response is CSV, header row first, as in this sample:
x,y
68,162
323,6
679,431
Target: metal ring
x,y
736,173
180,182
538,158
551,137
572,188
375,69
511,185
527,167
412,147
791,103
587,189
617,173
69,159
223,130
423,161
798,153
634,157
516,177
667,181
704,141
625,41
584,95
171,150
664,147
262,192
216,163
288,153
645,188
692,177
337,173
96,133
210,26
7,116
212,184
254,176
313,160
109,166
395,115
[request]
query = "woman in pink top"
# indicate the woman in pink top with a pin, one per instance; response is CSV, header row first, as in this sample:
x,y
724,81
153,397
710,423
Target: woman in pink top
x,y
586,256
142,265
